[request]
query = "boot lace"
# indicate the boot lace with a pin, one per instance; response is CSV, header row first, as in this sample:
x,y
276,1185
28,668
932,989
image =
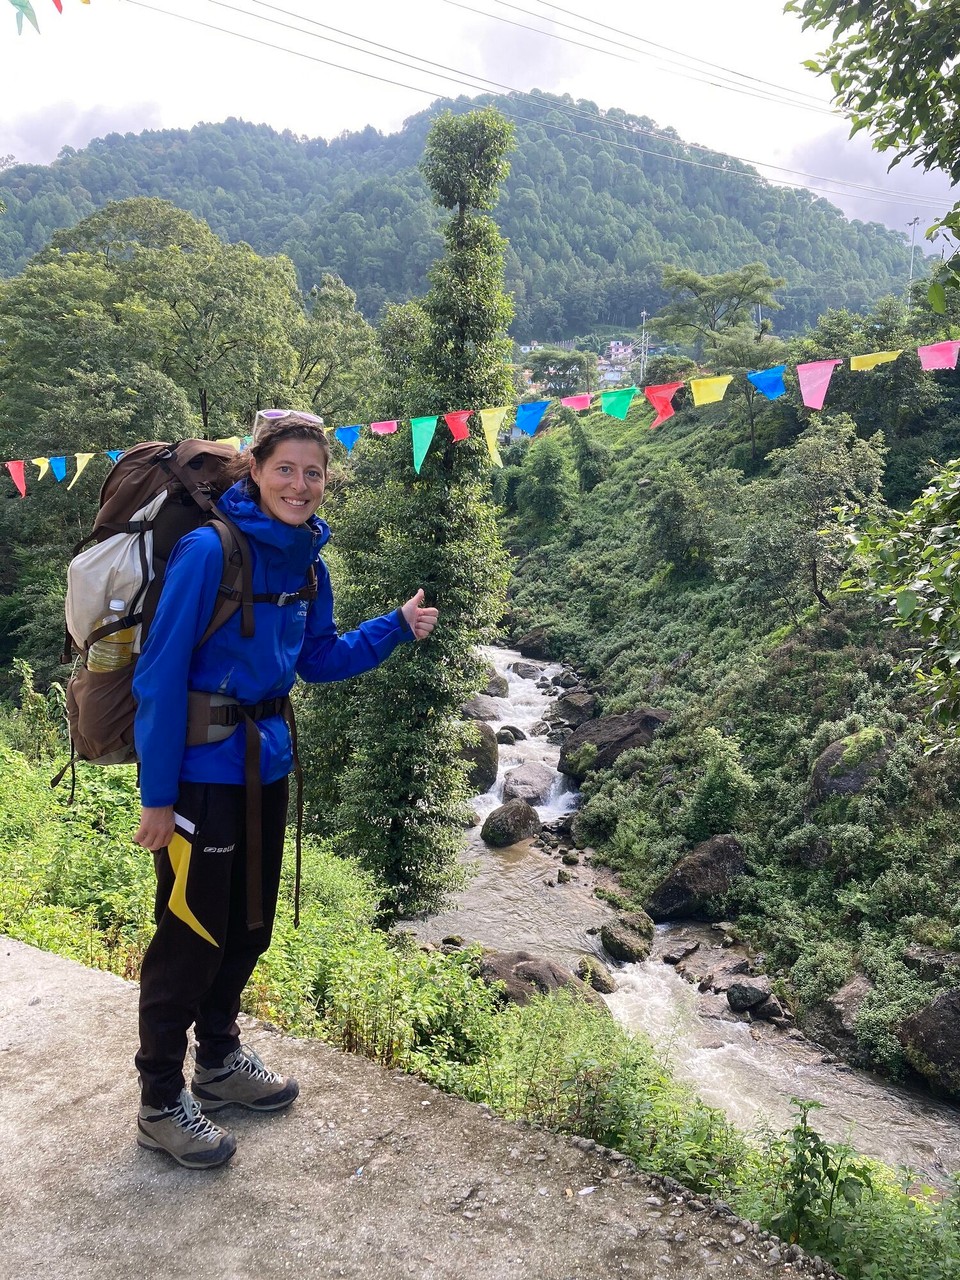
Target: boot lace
x,y
244,1059
188,1117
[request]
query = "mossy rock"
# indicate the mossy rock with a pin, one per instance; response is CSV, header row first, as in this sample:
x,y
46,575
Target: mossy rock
x,y
629,938
847,765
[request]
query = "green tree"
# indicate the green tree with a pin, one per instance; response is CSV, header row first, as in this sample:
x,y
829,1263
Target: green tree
x,y
895,69
542,494
404,787
739,351
562,373
678,522
702,308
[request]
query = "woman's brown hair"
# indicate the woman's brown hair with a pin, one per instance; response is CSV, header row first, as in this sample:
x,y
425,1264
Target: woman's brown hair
x,y
268,434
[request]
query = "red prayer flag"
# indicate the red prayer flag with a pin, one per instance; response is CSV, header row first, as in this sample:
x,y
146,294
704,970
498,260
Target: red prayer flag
x,y
661,397
59,6
457,422
581,401
16,474
384,428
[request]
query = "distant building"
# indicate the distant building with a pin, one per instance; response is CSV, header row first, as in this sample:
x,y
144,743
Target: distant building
x,y
618,350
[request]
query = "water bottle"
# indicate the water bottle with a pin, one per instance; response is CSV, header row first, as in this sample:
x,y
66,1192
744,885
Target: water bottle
x,y
114,650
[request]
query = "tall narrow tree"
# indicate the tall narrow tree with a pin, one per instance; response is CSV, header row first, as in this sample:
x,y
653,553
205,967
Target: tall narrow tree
x,y
404,790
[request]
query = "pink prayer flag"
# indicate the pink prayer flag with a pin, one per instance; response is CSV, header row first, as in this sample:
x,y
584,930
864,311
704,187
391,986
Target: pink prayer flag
x,y
577,402
661,397
939,355
17,476
457,422
814,379
384,428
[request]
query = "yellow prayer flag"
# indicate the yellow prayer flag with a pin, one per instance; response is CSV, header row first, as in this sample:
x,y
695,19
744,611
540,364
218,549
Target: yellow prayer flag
x,y
710,390
82,460
231,440
872,359
43,464
490,420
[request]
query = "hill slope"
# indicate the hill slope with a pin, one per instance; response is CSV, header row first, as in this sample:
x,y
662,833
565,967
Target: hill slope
x,y
593,208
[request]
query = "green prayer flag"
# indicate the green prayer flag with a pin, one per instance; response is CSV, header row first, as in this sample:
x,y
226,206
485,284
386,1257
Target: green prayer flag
x,y
423,429
617,403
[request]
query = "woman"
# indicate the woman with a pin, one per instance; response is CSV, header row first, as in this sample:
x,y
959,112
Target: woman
x,y
209,929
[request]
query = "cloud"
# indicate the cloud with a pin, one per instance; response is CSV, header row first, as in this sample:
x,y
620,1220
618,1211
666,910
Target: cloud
x,y
513,55
37,137
854,158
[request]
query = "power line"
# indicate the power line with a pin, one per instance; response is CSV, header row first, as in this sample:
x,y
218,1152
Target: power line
x,y
813,181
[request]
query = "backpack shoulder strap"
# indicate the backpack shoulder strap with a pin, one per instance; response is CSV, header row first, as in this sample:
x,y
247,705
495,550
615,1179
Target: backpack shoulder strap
x,y
236,580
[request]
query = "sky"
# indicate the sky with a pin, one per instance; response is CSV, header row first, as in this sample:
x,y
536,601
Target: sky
x,y
129,65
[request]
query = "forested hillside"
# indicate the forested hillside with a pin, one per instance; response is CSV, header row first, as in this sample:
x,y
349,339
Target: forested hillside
x,y
592,210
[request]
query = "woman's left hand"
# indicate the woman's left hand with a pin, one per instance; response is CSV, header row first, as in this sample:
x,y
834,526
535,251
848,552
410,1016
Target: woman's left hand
x,y
421,621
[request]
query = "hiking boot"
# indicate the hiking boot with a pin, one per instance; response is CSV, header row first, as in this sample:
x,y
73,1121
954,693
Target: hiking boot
x,y
185,1133
245,1081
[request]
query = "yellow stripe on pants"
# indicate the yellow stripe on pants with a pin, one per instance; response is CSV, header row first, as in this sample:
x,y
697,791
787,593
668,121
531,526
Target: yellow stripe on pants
x,y
179,851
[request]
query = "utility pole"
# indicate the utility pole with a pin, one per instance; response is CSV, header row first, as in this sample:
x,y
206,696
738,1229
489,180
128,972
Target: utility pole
x,y
913,245
644,345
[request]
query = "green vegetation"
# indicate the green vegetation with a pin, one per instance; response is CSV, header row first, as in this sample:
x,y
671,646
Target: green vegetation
x,y
595,205
85,891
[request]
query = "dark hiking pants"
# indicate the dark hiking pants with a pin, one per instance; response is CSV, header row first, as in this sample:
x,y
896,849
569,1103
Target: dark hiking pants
x,y
202,953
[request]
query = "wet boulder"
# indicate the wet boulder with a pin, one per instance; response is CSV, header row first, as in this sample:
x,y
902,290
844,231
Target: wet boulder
x,y
846,766
629,938
512,822
525,975
534,644
526,670
831,1022
505,737
690,888
746,992
483,758
567,679
597,743
931,1042
518,734
530,782
482,707
596,974
575,708
497,686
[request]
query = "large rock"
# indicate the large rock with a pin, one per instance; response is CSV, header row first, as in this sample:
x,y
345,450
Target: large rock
x,y
629,937
831,1022
932,964
482,707
747,992
526,670
530,782
525,976
596,974
689,890
535,644
931,1041
497,686
846,766
597,744
483,757
513,821
575,708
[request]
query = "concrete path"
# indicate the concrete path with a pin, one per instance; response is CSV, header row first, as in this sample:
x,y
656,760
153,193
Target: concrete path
x,y
371,1174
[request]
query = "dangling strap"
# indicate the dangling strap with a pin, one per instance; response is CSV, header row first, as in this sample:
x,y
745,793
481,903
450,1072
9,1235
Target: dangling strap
x,y
298,774
253,788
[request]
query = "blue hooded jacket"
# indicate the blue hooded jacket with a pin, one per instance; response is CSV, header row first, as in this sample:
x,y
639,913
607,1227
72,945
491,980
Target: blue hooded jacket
x,y
290,640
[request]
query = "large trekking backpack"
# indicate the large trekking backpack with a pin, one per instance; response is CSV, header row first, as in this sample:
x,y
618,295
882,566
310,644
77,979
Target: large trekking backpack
x,y
155,494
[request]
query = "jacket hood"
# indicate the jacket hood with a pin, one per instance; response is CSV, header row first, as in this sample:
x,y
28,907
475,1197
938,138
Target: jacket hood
x,y
308,538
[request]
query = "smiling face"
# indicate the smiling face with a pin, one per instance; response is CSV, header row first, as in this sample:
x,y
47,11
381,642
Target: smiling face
x,y
291,480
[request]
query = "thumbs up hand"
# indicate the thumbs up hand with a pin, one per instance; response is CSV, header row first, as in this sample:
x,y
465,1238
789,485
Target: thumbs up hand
x,y
421,621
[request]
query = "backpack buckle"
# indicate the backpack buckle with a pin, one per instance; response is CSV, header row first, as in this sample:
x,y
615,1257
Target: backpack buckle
x,y
285,597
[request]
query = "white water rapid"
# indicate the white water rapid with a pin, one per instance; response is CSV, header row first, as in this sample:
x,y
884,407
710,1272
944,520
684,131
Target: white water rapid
x,y
749,1071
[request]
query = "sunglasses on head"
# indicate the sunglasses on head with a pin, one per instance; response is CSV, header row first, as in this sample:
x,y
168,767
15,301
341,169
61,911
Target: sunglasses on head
x,y
274,415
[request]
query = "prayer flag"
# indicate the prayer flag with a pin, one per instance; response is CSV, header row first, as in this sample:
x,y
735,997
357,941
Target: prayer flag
x,y
530,415
661,397
43,464
58,5
25,10
384,428
769,382
577,402
491,420
616,404
710,390
872,359
82,460
17,476
423,431
59,468
114,454
939,355
348,436
814,379
233,441
457,422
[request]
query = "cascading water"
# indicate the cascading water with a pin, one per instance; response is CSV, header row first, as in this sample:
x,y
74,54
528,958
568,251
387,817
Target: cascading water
x,y
749,1071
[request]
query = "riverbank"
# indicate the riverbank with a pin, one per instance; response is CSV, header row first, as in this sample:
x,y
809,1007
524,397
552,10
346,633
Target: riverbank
x,y
371,1174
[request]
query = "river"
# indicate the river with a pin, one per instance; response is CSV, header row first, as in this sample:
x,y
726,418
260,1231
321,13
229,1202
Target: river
x,y
749,1071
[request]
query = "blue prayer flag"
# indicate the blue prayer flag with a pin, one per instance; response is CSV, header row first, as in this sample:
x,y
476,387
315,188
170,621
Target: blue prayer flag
x,y
114,454
529,415
769,382
348,436
59,467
